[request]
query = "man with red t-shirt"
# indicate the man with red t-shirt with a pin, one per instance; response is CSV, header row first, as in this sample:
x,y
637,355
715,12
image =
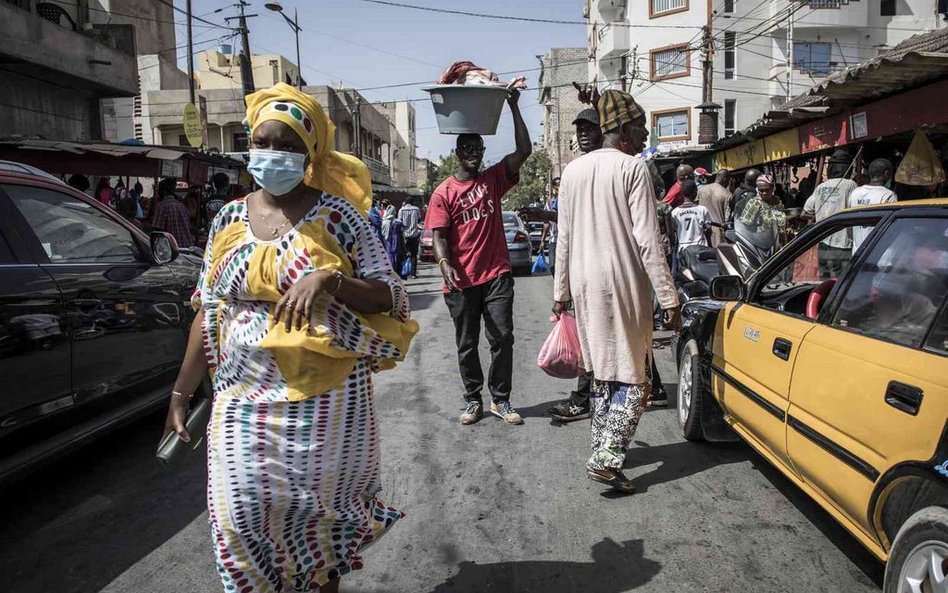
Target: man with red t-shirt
x,y
471,248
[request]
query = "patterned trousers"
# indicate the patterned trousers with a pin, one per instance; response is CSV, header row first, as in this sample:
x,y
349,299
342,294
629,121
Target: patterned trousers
x,y
616,410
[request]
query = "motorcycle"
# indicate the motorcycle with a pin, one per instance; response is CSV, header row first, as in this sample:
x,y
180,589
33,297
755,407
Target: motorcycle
x,y
743,251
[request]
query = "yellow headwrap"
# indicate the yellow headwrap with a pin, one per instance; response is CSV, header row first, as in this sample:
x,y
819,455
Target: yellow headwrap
x,y
333,172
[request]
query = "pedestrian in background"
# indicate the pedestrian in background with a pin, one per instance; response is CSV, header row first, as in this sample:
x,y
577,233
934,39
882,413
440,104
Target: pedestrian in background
x,y
744,192
701,176
213,204
763,211
691,220
80,182
548,234
296,307
828,198
673,198
466,218
715,197
388,216
103,191
876,191
375,218
589,138
128,207
607,266
410,217
171,216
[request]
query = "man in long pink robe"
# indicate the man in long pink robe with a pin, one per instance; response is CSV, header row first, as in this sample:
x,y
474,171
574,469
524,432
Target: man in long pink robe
x,y
609,260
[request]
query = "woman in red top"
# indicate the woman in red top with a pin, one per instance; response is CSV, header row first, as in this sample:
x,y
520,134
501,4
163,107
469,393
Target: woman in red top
x,y
103,191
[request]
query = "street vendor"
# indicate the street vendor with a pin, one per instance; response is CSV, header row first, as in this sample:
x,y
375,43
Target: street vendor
x,y
471,250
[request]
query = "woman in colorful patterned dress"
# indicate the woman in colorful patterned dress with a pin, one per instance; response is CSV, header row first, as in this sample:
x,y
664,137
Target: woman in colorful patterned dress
x,y
297,305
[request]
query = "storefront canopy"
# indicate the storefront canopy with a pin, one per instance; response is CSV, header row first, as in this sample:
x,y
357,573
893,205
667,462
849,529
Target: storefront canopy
x,y
117,160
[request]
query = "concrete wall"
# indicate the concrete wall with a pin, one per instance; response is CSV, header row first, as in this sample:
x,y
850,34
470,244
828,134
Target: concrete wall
x,y
222,71
54,76
31,107
62,55
156,73
401,116
153,23
560,103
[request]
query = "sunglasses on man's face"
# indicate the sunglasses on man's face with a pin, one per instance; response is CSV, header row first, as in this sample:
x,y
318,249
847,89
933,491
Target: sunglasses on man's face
x,y
471,149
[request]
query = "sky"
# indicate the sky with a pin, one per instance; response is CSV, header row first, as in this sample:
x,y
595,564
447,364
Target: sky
x,y
369,45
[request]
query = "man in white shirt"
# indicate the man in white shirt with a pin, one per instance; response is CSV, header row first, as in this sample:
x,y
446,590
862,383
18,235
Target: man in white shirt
x,y
828,198
692,221
874,192
410,216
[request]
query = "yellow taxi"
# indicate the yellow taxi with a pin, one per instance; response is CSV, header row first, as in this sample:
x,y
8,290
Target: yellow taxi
x,y
832,362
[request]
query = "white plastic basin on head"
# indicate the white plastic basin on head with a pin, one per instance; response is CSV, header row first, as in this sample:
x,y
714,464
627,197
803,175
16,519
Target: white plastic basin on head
x,y
467,108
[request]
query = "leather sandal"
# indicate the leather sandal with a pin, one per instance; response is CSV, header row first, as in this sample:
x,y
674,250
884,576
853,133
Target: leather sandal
x,y
611,477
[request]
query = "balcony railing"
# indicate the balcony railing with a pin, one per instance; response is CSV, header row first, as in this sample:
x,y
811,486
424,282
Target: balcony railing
x,y
613,40
379,170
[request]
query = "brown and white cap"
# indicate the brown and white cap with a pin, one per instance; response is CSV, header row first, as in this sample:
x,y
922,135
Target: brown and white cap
x,y
617,108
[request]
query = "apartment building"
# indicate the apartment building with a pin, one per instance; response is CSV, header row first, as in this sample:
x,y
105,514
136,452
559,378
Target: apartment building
x,y
764,51
401,114
560,67
60,59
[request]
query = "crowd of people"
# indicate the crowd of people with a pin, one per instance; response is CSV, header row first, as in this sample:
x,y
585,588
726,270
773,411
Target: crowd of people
x,y
400,232
302,298
186,214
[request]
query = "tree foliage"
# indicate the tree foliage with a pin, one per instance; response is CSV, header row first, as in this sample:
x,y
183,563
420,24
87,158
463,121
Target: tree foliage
x,y
534,178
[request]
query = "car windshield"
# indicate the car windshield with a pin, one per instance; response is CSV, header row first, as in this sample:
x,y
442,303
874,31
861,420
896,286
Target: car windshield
x,y
510,219
758,224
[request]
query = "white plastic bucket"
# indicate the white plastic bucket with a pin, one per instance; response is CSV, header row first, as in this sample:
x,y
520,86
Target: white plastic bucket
x,y
467,109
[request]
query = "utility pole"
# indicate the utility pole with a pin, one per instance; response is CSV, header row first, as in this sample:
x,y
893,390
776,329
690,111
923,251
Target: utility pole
x,y
187,8
708,118
790,55
246,63
707,65
299,66
357,126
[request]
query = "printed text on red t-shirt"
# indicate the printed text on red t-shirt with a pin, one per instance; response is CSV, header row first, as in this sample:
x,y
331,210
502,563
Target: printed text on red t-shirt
x,y
473,203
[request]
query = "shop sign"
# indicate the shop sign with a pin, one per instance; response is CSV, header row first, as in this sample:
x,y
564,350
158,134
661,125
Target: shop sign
x,y
781,146
825,133
905,112
192,125
858,126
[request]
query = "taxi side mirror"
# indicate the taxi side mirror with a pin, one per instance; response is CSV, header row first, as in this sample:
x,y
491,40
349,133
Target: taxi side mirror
x,y
727,288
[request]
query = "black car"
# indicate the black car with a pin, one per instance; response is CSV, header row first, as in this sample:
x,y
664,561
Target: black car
x,y
94,317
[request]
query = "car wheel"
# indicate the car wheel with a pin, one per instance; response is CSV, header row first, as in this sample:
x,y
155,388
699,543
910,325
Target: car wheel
x,y
918,560
690,392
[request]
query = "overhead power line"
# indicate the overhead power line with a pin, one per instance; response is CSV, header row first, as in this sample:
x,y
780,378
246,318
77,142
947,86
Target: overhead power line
x,y
196,18
525,19
860,27
121,14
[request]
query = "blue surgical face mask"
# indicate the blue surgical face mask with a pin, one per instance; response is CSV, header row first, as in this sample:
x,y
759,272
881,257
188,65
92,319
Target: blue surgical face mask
x,y
277,171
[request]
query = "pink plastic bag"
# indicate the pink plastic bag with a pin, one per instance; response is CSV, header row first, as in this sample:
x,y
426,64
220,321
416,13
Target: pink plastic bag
x,y
561,356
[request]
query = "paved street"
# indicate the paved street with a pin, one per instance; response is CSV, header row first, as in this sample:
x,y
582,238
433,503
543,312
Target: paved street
x,y
490,507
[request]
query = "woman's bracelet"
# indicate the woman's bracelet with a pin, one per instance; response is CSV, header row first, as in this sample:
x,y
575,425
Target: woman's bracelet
x,y
338,276
441,261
